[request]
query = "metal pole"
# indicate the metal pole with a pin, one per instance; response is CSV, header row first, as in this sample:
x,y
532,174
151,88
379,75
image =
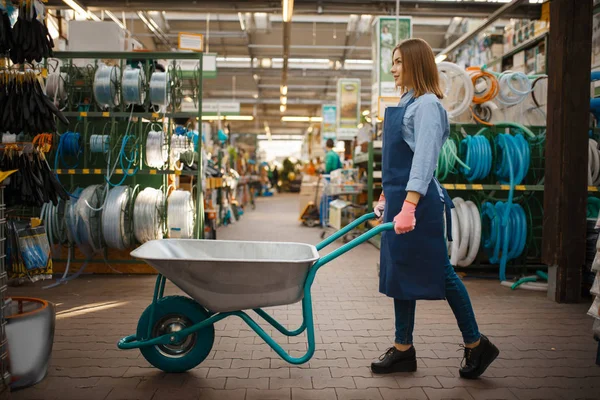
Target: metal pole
x,y
200,175
397,21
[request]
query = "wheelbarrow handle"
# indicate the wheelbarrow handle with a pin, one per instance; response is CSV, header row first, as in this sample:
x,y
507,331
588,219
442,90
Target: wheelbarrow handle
x,y
345,230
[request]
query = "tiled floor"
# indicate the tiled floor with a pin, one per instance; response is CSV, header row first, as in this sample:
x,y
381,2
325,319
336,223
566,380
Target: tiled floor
x,y
547,350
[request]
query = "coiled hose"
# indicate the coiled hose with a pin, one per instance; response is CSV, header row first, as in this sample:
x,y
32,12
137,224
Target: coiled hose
x,y
466,232
593,163
116,227
478,158
447,160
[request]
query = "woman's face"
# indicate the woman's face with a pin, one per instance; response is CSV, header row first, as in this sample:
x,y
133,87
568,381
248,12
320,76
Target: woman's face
x,y
397,70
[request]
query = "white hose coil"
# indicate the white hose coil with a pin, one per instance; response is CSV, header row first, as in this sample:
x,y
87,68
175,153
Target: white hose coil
x,y
99,143
180,215
148,223
466,232
514,87
133,83
115,227
160,87
465,90
87,222
156,149
105,86
593,163
55,87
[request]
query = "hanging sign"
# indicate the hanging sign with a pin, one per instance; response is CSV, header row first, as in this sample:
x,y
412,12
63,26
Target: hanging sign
x,y
329,122
191,41
387,32
348,108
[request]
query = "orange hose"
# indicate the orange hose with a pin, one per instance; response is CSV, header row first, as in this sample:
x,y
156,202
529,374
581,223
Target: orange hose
x,y
492,90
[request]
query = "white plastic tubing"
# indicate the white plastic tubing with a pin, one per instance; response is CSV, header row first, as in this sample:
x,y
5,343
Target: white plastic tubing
x,y
156,149
114,224
147,215
180,215
447,70
514,88
593,163
466,232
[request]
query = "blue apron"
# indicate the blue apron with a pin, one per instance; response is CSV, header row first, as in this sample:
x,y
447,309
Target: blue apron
x,y
411,264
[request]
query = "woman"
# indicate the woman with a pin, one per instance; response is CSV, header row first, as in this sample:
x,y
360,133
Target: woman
x,y
414,259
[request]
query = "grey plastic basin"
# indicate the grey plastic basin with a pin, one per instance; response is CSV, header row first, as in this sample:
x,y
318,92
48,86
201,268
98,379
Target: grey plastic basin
x,y
226,275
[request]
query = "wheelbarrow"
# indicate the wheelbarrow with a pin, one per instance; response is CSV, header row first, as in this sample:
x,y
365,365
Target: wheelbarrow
x,y
223,278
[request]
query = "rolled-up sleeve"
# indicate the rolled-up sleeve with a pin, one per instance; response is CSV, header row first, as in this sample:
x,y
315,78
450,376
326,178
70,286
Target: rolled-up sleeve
x,y
430,123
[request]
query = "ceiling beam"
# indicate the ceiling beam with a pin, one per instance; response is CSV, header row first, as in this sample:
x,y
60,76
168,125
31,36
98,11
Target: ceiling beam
x,y
375,7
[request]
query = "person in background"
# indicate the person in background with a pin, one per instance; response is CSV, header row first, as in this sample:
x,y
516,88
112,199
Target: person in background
x,y
275,181
414,262
332,160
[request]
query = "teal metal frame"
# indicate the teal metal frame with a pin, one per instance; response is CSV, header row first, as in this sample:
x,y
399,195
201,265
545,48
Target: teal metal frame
x,y
133,342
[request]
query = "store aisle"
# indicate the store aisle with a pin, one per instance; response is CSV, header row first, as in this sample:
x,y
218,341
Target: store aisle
x,y
547,349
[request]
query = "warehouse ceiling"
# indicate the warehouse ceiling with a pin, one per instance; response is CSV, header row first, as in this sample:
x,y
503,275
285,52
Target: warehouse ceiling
x,y
328,39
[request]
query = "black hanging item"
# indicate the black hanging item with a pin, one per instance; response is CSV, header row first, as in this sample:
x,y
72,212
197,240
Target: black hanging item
x,y
24,107
31,39
6,36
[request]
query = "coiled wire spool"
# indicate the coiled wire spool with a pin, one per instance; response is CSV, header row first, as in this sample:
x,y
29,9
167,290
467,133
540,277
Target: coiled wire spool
x,y
133,87
105,86
180,215
53,217
99,143
466,232
148,215
456,99
477,154
156,149
116,225
160,89
514,87
593,163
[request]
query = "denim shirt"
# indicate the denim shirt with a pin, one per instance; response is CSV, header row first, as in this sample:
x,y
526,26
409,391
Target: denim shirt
x,y
425,129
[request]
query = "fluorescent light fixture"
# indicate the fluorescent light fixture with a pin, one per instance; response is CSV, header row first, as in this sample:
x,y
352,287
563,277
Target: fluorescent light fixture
x,y
366,112
242,22
77,8
234,59
255,95
365,62
288,10
284,90
228,118
283,100
256,77
281,137
93,16
440,57
301,119
266,63
115,19
282,108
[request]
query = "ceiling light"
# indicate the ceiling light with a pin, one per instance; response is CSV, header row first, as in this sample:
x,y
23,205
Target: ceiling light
x,y
283,100
282,108
441,57
301,119
242,22
366,112
114,18
187,99
288,10
266,63
256,77
284,90
77,8
255,95
228,117
93,16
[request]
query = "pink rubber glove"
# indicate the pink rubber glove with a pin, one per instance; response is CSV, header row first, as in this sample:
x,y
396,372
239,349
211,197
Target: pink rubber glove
x,y
405,221
380,207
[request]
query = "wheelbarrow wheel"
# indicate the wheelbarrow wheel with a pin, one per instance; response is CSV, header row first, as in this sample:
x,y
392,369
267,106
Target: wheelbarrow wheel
x,y
173,314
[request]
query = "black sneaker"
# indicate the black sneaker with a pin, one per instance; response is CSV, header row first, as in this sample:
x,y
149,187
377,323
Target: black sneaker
x,y
394,360
477,359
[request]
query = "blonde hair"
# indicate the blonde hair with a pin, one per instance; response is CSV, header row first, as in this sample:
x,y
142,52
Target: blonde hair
x,y
418,65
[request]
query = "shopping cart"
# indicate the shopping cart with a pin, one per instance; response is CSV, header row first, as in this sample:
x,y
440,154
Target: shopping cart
x,y
222,278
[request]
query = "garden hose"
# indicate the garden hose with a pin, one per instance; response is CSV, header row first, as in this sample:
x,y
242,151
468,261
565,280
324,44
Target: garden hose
x,y
447,160
466,233
482,114
514,87
148,218
180,214
116,226
160,89
593,163
533,86
156,149
593,207
133,87
444,69
478,157
69,144
513,159
485,84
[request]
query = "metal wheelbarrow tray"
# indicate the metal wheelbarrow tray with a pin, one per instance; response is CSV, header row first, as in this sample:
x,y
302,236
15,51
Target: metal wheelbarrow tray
x,y
230,275
223,278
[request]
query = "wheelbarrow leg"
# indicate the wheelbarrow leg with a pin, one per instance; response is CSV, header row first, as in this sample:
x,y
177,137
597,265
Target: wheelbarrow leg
x,y
278,326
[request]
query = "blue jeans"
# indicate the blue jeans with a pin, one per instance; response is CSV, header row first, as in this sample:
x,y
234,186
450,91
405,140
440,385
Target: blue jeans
x,y
458,299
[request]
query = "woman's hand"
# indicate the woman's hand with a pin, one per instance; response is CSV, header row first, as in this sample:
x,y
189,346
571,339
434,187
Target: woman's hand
x,y
380,207
405,221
